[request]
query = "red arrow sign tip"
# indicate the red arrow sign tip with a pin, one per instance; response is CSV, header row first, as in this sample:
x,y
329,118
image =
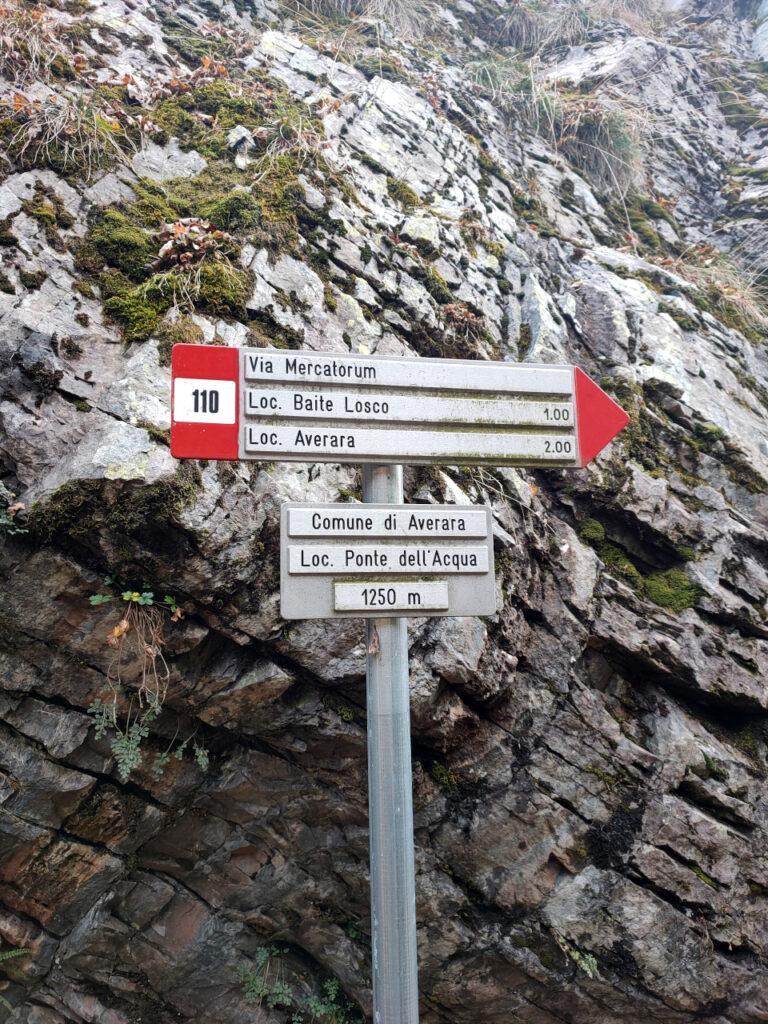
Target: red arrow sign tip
x,y
599,418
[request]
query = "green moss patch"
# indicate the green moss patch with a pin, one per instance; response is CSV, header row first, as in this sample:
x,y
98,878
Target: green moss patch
x,y
671,588
238,211
381,67
223,289
679,316
32,279
117,240
7,238
183,331
437,286
138,311
592,531
402,193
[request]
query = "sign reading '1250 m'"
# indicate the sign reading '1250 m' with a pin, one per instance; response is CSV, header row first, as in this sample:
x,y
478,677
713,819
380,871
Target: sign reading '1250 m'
x,y
324,407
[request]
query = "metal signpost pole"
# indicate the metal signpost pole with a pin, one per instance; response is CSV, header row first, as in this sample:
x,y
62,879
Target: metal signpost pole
x,y
390,798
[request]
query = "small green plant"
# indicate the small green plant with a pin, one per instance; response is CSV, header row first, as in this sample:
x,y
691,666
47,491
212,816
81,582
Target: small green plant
x,y
585,962
445,778
328,1008
7,955
263,983
264,986
138,640
9,527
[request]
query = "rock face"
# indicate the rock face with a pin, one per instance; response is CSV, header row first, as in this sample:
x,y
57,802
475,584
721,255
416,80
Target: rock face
x,y
183,817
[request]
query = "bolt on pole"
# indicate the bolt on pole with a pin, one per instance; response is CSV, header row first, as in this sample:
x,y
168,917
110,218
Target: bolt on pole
x,y
390,798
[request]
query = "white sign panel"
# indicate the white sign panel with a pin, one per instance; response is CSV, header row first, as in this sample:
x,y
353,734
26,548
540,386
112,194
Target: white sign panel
x,y
388,598
205,401
374,560
326,407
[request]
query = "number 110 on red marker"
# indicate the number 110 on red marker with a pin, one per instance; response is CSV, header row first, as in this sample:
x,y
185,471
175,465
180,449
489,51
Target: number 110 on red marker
x,y
204,401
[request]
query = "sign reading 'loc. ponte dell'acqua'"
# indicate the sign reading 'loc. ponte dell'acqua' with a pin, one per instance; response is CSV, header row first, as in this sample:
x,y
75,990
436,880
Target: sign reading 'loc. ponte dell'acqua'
x,y
266,404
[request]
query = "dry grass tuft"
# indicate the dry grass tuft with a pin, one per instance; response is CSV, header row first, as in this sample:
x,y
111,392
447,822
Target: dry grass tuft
x,y
31,42
69,133
735,284
601,136
289,133
411,18
532,26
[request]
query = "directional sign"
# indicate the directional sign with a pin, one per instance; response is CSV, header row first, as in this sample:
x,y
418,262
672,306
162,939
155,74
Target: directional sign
x,y
380,560
325,407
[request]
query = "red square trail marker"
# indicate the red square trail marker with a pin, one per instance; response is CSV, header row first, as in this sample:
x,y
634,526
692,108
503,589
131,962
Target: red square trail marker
x,y
205,402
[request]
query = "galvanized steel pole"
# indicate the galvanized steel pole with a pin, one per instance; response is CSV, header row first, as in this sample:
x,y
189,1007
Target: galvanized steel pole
x,y
390,798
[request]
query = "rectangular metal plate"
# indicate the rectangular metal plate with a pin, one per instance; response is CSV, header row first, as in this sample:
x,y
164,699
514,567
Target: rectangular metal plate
x,y
350,560
395,521
329,407
390,598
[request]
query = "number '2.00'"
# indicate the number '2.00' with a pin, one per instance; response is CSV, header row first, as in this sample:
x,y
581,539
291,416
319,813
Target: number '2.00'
x,y
205,401
558,447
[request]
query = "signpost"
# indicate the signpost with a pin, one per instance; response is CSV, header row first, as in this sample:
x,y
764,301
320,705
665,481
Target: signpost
x,y
341,561
320,407
383,560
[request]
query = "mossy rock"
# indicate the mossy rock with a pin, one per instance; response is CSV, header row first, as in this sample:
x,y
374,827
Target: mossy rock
x,y
679,316
113,282
402,193
82,509
153,206
671,589
138,315
592,531
238,211
619,563
32,279
7,238
374,66
437,286
183,331
119,242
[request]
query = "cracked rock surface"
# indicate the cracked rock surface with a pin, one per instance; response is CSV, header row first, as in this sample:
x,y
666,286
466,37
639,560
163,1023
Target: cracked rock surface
x,y
590,764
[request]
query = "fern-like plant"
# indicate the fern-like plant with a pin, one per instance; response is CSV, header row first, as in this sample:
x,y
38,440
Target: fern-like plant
x,y
5,956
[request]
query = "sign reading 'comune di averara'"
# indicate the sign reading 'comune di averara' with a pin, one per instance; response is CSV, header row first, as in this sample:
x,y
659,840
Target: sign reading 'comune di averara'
x,y
339,561
280,405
